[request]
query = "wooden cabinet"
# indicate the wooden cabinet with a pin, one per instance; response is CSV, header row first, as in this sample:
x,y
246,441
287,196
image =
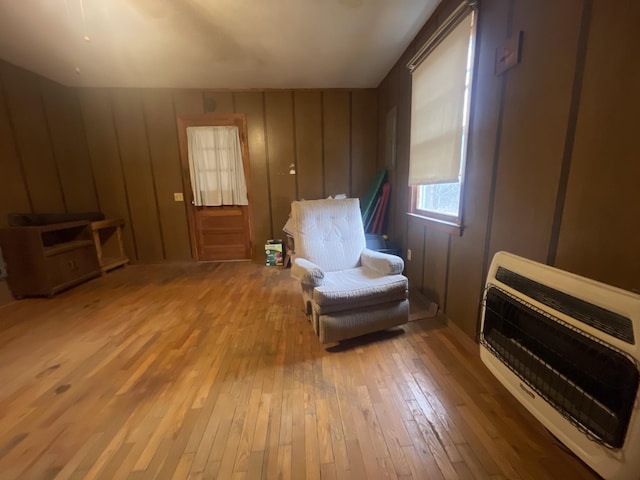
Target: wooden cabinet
x,y
42,260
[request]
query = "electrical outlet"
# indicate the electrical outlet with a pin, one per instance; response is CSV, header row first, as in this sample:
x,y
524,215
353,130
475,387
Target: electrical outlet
x,y
178,197
409,254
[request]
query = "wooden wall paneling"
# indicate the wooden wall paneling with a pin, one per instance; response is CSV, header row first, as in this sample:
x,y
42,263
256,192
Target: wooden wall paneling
x,y
69,143
391,95
466,275
536,109
400,201
31,131
105,160
281,154
384,104
160,122
188,101
308,126
218,102
413,268
434,279
336,118
14,196
600,233
364,124
387,99
252,105
138,173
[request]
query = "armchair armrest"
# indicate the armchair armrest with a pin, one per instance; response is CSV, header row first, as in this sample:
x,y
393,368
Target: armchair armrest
x,y
384,263
308,273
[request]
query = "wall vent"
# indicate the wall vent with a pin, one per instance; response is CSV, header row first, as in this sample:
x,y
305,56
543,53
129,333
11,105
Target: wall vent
x,y
566,347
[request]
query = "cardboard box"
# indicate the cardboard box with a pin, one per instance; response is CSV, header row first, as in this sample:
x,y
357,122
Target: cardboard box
x,y
274,252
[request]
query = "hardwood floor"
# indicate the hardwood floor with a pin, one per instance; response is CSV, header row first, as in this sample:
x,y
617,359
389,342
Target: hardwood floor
x,y
212,371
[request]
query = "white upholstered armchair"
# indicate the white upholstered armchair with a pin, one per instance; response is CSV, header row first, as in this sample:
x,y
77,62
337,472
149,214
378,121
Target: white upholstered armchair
x,y
347,289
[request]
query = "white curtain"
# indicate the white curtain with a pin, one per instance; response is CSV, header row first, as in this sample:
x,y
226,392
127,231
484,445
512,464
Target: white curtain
x,y
215,166
437,110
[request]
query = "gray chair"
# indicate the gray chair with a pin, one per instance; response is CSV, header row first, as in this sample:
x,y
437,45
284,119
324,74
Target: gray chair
x,y
347,289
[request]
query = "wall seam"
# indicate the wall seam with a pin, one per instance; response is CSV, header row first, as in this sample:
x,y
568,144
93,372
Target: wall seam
x,y
76,93
295,143
124,179
266,154
446,279
192,248
53,151
494,176
572,122
15,143
324,177
350,103
153,176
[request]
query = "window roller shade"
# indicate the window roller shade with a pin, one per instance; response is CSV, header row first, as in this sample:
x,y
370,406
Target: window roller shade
x,y
437,115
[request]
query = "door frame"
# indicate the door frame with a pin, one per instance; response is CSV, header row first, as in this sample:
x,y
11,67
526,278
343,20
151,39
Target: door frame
x,y
212,120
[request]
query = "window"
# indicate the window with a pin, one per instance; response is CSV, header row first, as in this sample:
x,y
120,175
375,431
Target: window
x,y
215,166
442,74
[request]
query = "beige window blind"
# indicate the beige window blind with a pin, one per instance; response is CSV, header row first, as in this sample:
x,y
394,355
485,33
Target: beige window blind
x,y
437,114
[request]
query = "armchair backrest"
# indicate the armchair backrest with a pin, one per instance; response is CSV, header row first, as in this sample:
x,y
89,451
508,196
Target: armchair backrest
x,y
329,232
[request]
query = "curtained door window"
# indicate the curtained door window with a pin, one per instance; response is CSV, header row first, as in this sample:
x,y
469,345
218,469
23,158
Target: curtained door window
x,y
215,166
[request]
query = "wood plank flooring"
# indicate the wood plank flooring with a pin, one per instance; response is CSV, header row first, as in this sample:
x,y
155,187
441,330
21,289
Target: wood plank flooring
x,y
207,371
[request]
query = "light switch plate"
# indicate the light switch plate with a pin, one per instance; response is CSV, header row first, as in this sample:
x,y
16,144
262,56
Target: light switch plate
x,y
509,54
178,197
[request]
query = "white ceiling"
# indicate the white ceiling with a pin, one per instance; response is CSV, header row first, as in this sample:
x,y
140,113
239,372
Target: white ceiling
x,y
210,43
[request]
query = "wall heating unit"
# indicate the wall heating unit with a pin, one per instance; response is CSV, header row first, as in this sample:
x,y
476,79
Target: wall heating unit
x,y
567,348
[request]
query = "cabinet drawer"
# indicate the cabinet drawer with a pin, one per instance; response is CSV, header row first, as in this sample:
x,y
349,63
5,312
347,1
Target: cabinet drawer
x,y
72,266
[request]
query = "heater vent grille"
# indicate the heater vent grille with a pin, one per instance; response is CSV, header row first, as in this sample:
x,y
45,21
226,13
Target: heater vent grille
x,y
588,382
599,318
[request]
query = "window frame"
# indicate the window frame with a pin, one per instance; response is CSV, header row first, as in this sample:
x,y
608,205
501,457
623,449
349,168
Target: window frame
x,y
452,224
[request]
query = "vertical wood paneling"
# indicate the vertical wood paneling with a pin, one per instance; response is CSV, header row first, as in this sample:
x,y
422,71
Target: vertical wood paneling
x,y
600,233
162,138
69,144
188,101
308,117
521,122
364,124
336,142
185,102
434,279
281,154
32,139
218,102
400,196
466,275
252,105
116,150
415,242
13,190
138,175
105,160
537,99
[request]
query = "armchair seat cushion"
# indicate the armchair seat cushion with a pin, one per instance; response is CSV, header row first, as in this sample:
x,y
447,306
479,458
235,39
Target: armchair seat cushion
x,y
357,287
